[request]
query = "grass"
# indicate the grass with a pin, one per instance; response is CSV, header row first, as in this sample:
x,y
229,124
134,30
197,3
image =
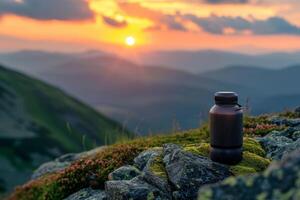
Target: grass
x,y
57,112
60,185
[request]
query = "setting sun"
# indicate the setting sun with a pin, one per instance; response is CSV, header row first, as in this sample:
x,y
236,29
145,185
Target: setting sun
x,y
130,41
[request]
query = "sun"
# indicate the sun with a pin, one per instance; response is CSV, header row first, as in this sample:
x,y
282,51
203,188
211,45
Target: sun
x,y
130,41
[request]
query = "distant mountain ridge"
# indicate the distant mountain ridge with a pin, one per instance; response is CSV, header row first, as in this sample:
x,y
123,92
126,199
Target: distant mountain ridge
x,y
207,60
271,81
151,99
196,61
39,122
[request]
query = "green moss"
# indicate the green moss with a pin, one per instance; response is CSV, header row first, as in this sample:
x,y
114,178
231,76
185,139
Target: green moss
x,y
254,161
240,170
262,196
230,181
199,149
206,195
253,146
150,196
157,168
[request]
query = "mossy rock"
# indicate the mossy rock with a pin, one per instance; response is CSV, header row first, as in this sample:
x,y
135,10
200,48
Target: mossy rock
x,y
253,156
240,170
157,167
254,161
253,146
199,149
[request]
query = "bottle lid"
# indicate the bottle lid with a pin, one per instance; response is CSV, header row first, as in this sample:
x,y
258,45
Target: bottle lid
x,y
228,98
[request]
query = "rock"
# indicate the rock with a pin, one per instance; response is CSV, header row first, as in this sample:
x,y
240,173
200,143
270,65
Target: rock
x,y
151,184
188,172
155,174
135,189
272,142
56,165
277,143
280,181
285,121
141,160
291,133
124,173
61,163
284,150
88,194
295,135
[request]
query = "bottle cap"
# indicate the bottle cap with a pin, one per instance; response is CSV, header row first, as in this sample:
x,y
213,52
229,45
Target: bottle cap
x,y
227,98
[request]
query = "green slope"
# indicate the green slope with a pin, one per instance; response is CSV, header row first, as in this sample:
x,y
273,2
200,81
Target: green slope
x,y
39,122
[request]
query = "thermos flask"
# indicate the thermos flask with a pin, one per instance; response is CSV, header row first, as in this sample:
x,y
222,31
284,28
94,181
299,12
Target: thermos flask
x,y
226,129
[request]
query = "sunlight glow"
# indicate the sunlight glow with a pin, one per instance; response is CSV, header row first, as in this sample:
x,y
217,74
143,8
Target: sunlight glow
x,y
130,41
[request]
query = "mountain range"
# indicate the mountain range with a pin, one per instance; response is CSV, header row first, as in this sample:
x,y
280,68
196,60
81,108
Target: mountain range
x,y
150,99
207,60
39,122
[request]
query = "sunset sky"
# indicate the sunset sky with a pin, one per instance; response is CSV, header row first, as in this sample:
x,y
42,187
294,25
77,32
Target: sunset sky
x,y
251,26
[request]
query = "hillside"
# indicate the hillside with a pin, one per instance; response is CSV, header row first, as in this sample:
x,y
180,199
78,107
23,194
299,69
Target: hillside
x,y
175,166
39,122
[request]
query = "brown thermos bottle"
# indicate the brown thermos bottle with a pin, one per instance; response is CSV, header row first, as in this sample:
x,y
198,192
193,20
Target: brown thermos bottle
x,y
226,129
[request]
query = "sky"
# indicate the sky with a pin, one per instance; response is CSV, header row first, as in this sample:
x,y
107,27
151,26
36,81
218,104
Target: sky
x,y
250,26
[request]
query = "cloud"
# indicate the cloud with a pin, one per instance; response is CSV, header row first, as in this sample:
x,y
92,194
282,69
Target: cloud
x,y
226,1
218,25
161,21
112,22
48,9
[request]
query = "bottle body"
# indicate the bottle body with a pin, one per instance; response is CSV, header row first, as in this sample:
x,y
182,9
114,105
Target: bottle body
x,y
226,133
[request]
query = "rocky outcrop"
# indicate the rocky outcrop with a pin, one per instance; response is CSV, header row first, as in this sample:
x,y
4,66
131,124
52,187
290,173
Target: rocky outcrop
x,y
280,181
187,172
178,172
168,173
280,143
61,163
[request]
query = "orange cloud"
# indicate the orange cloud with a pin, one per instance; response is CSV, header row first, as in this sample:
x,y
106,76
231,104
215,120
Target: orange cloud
x,y
170,28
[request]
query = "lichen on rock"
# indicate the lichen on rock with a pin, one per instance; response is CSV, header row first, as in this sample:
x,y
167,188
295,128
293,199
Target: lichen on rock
x,y
124,173
187,172
280,181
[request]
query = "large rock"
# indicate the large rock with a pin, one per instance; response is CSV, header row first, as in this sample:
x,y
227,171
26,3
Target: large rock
x,y
188,172
135,189
155,174
56,165
279,143
124,173
88,194
61,163
280,181
142,159
151,183
285,121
